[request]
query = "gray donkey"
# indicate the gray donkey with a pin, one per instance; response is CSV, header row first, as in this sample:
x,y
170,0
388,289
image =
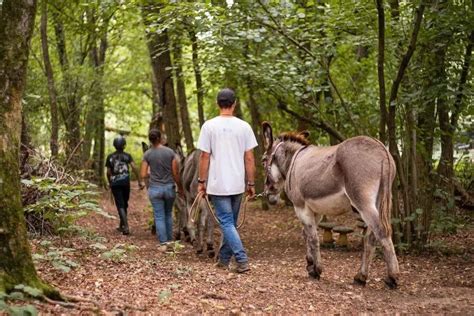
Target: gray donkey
x,y
205,225
356,174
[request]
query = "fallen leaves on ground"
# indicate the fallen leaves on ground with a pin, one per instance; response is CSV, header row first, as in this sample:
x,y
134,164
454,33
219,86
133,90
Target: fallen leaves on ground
x,y
139,278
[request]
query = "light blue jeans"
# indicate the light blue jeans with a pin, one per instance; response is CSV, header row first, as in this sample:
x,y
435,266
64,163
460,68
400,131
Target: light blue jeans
x,y
227,211
162,198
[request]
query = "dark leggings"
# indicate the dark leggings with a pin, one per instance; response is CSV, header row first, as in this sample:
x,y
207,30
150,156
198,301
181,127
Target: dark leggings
x,y
121,195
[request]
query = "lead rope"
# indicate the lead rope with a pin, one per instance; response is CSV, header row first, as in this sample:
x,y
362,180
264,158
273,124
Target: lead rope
x,y
195,206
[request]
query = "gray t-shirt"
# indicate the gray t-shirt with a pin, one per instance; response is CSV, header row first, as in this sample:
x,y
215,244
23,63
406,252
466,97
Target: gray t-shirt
x,y
160,161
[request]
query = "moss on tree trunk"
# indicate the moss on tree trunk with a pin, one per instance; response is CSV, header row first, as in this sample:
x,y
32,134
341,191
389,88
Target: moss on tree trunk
x,y
16,264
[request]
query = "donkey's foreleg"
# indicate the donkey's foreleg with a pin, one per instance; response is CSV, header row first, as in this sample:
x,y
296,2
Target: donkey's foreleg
x,y
313,255
190,225
367,255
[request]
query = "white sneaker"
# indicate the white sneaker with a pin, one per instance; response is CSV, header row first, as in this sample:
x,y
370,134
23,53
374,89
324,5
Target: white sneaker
x,y
162,248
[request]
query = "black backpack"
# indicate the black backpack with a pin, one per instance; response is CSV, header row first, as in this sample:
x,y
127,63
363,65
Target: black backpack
x,y
120,173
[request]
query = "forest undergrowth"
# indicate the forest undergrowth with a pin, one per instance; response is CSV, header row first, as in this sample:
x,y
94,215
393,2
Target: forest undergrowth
x,y
112,273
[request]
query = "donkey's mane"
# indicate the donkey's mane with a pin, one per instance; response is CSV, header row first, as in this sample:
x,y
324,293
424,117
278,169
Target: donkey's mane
x,y
293,137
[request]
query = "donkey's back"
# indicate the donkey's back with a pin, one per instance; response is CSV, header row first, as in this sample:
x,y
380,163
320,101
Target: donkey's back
x,y
364,159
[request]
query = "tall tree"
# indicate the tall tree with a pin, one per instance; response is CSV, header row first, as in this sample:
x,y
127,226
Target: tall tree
x,y
391,118
182,100
197,75
70,109
16,27
380,70
159,48
98,55
50,78
449,123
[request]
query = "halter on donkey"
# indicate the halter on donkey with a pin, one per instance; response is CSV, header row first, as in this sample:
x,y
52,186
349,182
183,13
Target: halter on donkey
x,y
355,174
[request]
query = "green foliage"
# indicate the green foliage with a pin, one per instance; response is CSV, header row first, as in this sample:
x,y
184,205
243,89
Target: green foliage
x,y
464,170
56,256
445,222
16,296
119,252
60,205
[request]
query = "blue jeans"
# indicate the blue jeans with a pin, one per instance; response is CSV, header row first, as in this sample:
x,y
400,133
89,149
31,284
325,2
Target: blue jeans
x,y
162,199
227,211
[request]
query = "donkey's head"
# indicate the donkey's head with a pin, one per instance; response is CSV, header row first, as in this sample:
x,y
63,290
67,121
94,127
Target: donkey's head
x,y
274,159
274,180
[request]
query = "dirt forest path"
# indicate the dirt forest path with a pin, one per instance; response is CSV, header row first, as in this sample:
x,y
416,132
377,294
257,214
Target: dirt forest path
x,y
145,280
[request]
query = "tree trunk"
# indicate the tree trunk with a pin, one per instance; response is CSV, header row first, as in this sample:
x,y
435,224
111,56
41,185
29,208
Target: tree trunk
x,y
71,112
448,125
159,49
380,71
256,126
197,75
98,58
391,118
16,27
53,143
182,100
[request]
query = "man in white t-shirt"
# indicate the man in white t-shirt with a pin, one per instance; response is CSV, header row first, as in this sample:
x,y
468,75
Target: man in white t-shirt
x,y
226,163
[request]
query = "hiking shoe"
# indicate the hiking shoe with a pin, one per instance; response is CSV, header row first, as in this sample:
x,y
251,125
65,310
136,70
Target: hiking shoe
x,y
222,265
242,267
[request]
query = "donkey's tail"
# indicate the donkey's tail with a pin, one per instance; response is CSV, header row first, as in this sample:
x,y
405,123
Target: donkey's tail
x,y
385,197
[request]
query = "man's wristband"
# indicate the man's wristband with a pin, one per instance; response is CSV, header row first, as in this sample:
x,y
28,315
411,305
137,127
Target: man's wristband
x,y
201,181
250,184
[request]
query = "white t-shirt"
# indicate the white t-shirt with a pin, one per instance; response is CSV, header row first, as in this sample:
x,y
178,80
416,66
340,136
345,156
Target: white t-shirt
x,y
226,139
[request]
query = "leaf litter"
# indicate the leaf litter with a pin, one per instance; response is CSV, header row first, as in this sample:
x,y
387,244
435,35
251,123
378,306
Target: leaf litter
x,y
139,278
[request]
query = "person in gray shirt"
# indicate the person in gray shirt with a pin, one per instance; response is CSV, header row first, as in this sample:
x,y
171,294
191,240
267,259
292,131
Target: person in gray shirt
x,y
159,164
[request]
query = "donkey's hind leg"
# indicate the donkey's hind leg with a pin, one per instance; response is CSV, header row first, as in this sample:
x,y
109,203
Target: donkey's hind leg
x,y
203,214
370,216
367,255
210,237
313,256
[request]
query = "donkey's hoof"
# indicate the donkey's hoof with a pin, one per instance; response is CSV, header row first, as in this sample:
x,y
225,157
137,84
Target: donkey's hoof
x,y
360,279
199,251
210,251
314,272
314,275
391,282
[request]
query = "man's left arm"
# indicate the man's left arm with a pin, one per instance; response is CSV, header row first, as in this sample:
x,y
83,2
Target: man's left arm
x,y
250,173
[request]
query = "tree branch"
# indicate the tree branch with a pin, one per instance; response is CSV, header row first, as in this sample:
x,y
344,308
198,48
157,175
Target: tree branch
x,y
317,123
278,28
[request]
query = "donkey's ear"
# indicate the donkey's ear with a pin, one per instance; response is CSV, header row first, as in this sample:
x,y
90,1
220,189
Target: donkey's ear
x,y
304,133
267,135
144,146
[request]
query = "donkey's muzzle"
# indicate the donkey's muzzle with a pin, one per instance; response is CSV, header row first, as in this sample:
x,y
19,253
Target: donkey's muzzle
x,y
273,198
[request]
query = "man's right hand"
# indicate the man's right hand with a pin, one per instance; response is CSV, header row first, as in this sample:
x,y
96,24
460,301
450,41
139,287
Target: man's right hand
x,y
202,187
250,192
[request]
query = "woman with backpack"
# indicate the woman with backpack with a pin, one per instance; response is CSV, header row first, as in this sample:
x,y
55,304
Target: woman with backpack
x,y
118,175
